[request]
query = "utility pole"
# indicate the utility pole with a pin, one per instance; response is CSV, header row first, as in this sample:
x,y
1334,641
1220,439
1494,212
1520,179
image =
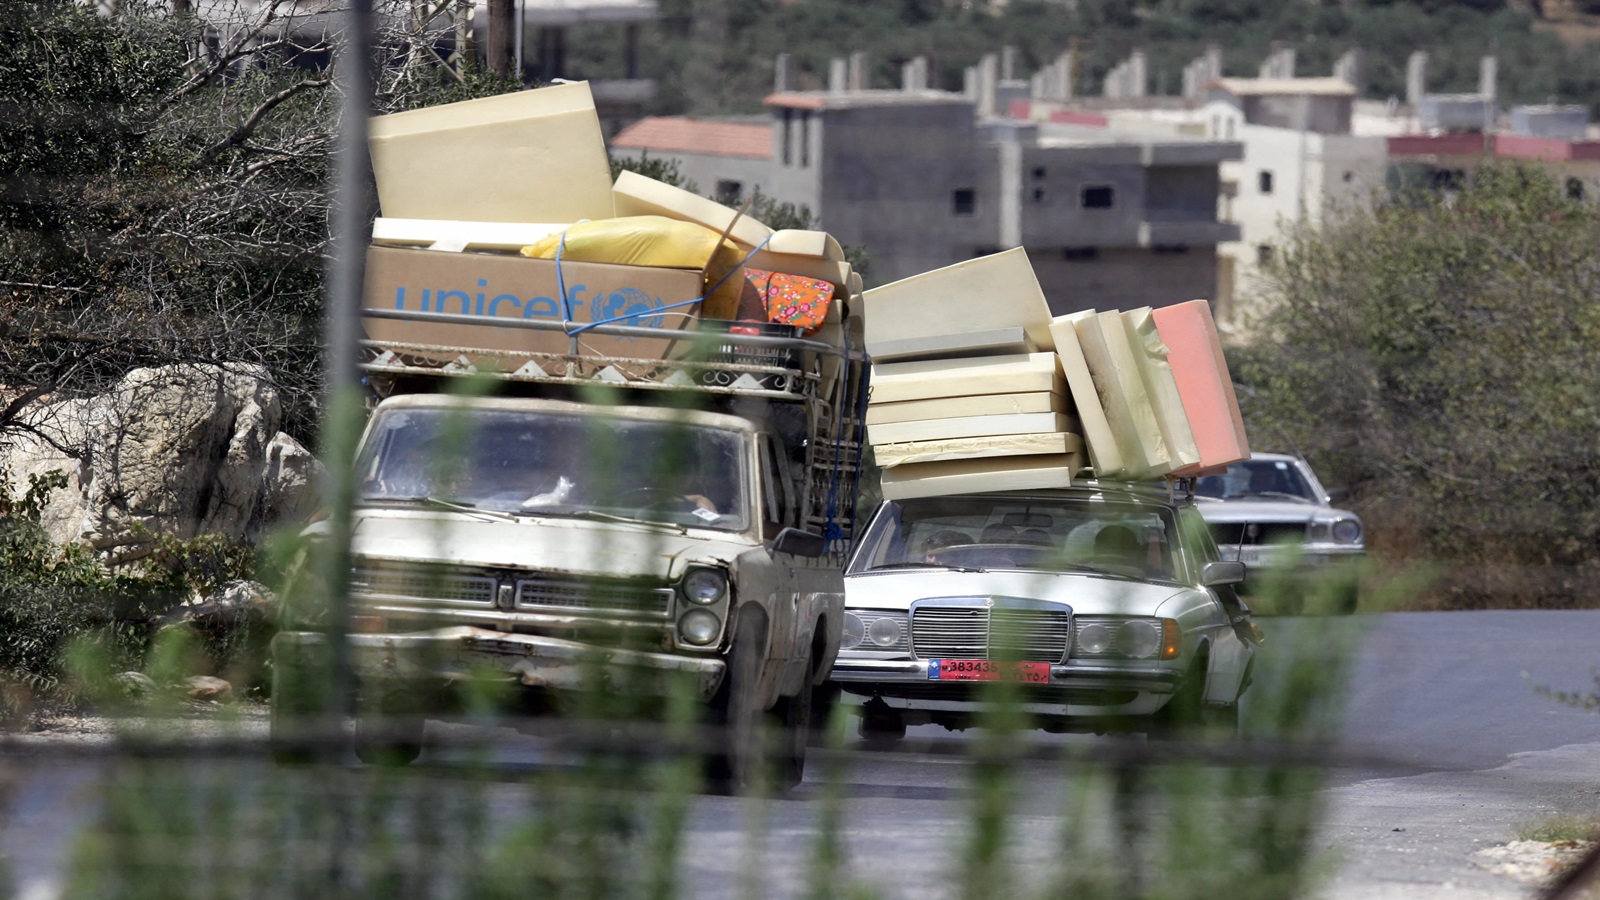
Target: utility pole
x,y
502,37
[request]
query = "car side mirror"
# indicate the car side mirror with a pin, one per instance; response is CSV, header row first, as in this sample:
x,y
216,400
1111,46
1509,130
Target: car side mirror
x,y
799,542
1338,495
1220,573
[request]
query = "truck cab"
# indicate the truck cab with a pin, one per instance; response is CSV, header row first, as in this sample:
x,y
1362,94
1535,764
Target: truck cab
x,y
575,536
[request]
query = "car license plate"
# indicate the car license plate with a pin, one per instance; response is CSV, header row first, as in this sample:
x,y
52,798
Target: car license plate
x,y
1250,557
988,670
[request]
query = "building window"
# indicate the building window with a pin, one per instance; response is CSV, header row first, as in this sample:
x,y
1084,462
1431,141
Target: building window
x,y
1230,129
1038,173
1574,189
964,201
1263,254
1080,254
788,136
1348,176
805,139
1264,181
1170,249
1100,196
1038,195
729,193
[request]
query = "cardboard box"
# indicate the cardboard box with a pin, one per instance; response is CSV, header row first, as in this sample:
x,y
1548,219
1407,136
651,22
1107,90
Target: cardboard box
x,y
499,287
528,156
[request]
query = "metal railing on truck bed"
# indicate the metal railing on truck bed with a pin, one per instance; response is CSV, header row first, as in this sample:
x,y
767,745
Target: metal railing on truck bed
x,y
722,362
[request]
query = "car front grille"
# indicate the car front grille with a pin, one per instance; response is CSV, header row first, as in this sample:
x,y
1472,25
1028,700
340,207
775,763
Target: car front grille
x,y
1259,533
541,594
453,588
977,631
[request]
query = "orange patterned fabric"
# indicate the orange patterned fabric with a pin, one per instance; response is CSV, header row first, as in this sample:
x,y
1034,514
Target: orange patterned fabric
x,y
786,299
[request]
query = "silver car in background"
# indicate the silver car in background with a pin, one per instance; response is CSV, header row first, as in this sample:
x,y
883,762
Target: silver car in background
x,y
1272,511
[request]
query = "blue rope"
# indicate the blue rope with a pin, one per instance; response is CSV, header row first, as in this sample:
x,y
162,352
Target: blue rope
x,y
567,309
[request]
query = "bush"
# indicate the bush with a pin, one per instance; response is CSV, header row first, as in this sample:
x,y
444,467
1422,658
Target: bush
x,y
1435,354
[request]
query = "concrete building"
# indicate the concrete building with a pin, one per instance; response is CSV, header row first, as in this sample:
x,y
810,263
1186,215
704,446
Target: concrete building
x,y
1300,164
922,180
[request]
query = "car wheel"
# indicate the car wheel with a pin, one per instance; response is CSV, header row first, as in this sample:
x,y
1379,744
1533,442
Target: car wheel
x,y
1187,715
881,727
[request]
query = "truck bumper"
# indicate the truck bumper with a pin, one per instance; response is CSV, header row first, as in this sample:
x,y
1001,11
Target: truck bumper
x,y
459,652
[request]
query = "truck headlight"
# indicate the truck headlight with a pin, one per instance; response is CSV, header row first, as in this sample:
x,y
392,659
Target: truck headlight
x,y
699,627
705,586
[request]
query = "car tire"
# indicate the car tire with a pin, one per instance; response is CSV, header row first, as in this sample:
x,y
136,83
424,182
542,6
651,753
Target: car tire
x,y
1188,716
881,728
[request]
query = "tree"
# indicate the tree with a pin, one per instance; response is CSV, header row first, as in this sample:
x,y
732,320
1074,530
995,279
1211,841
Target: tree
x,y
1436,353
165,197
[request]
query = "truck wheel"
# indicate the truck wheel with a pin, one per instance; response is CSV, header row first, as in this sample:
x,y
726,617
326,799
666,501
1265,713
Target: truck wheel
x,y
795,714
389,740
731,767
302,722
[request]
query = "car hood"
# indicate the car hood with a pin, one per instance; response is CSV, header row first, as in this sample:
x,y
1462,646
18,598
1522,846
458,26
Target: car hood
x,y
1265,511
555,545
1086,594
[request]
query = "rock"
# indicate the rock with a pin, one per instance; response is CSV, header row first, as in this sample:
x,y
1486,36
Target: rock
x,y
205,687
177,450
136,687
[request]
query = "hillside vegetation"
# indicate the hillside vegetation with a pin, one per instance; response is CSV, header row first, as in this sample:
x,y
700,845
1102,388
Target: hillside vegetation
x,y
715,56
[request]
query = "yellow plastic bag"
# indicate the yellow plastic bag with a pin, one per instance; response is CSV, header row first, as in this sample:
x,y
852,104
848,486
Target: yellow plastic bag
x,y
654,241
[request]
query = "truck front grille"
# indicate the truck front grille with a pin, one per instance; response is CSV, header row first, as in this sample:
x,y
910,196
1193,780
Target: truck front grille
x,y
539,594
980,632
451,588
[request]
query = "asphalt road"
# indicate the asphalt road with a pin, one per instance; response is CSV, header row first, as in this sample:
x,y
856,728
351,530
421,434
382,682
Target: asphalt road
x,y
1447,749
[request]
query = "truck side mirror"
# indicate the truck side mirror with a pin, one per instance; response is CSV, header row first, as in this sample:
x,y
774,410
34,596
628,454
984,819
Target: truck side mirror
x,y
1219,573
799,542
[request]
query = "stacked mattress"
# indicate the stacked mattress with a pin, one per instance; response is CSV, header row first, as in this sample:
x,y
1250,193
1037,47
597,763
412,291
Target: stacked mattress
x,y
975,387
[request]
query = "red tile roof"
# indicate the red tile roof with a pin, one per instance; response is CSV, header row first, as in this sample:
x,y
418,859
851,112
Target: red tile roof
x,y
676,134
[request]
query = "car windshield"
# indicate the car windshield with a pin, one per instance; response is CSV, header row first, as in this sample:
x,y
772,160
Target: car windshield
x,y
557,464
1044,534
1257,478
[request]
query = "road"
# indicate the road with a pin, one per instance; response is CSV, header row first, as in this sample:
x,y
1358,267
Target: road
x,y
1450,751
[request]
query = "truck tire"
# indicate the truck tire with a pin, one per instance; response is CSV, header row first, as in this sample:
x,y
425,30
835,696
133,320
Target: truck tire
x,y
794,713
389,740
731,767
302,724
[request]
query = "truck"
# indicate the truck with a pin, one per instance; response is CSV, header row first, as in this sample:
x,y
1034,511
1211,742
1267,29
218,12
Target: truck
x,y
598,526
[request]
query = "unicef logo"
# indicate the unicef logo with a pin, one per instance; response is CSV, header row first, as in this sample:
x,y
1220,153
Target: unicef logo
x,y
630,302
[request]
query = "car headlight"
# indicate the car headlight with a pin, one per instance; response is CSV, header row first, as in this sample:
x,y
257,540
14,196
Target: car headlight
x,y
855,631
1347,531
1127,638
874,630
705,586
884,631
699,627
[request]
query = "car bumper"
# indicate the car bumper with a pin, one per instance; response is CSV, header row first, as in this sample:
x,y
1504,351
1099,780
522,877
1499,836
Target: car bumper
x,y
1309,558
1073,690
454,654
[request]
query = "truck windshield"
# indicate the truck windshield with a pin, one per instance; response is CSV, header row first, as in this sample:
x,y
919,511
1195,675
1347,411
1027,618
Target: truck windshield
x,y
1043,534
557,464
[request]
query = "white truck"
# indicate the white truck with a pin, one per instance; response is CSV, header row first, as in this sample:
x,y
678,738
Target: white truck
x,y
599,526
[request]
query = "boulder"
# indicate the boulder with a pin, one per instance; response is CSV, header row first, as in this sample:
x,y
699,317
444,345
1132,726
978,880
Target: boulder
x,y
176,450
